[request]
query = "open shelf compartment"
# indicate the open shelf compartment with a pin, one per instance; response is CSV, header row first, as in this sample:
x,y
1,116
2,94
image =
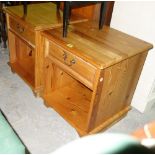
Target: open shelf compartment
x,y
70,98
22,60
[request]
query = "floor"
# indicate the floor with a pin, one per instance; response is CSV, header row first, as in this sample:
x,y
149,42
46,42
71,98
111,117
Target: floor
x,y
41,129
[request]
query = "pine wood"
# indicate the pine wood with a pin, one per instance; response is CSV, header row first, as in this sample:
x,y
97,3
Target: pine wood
x,y
26,30
22,61
71,99
109,122
89,44
112,59
81,67
116,94
41,16
72,72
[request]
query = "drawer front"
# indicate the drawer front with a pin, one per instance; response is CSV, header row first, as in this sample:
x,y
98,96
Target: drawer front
x,y
23,31
84,69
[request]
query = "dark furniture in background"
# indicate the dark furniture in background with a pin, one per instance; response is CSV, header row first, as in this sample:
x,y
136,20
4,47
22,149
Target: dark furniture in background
x,y
3,36
69,5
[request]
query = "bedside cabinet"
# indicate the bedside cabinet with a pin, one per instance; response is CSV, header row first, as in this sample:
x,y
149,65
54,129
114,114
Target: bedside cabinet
x,y
90,76
24,39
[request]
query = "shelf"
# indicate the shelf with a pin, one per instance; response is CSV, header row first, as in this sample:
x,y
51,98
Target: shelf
x,y
72,102
25,69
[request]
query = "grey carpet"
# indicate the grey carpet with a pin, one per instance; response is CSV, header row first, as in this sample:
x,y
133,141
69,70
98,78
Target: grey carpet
x,y
133,121
39,127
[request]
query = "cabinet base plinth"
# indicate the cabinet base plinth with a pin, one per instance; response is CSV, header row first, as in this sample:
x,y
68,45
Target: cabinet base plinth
x,y
105,125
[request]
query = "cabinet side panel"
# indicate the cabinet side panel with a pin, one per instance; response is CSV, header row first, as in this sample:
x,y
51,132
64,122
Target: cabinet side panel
x,y
39,57
119,84
12,46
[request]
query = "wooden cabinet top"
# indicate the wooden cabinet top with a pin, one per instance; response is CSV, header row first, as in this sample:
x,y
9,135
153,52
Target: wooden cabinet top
x,y
40,16
101,48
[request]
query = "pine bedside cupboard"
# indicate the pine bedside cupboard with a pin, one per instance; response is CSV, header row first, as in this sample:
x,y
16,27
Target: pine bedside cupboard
x,y
90,76
24,39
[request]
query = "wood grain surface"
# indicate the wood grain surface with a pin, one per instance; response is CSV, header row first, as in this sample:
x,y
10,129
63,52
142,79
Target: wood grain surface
x,y
114,60
41,16
101,48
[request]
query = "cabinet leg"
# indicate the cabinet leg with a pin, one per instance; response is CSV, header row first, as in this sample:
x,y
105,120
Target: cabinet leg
x,y
66,14
36,94
102,14
25,8
13,71
48,106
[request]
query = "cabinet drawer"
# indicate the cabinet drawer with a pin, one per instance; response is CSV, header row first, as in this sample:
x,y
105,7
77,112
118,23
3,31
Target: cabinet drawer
x,y
84,69
25,32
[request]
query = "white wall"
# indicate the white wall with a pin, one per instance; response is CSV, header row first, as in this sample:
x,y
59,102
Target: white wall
x,y
138,19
